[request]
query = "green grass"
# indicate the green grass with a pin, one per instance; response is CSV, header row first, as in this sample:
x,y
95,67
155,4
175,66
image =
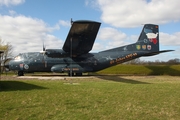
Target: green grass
x,y
143,70
104,97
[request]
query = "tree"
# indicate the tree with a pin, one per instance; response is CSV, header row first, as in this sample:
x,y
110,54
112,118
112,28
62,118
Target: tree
x,y
7,50
174,61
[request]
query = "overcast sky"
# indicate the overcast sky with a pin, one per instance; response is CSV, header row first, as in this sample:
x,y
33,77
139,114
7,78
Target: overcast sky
x,y
26,24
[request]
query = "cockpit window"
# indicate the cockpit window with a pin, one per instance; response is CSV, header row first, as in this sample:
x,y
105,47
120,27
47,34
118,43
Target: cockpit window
x,y
27,56
19,57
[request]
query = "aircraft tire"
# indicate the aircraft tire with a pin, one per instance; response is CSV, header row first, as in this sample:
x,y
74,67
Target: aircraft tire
x,y
70,74
78,74
20,73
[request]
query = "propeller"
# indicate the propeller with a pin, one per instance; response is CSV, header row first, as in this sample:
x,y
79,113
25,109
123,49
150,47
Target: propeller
x,y
43,50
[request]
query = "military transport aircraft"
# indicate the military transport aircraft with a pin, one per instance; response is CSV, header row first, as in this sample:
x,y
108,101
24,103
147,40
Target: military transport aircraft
x,y
74,58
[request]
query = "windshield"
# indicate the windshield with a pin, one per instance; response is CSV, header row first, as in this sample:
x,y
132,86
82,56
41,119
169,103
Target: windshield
x,y
18,58
28,56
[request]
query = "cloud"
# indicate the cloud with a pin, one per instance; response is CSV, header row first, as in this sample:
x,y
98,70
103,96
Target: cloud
x,y
97,47
91,3
12,12
111,34
64,23
11,2
109,38
132,13
27,34
170,39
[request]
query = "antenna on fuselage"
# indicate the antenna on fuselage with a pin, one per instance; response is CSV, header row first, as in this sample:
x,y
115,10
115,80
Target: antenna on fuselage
x,y
71,21
71,71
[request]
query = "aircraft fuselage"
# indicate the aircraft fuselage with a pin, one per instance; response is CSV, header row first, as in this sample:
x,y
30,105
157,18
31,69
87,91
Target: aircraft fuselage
x,y
74,57
90,62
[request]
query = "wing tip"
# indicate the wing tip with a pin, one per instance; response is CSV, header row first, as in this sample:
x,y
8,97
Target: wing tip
x,y
85,21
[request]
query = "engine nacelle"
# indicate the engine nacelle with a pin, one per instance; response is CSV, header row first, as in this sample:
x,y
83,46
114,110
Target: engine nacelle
x,y
56,53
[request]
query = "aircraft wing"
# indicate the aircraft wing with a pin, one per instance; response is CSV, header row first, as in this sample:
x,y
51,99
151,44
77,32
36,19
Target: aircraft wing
x,y
81,37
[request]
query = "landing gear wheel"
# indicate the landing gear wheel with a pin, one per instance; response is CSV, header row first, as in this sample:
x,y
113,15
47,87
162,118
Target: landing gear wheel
x,y
78,74
20,73
70,74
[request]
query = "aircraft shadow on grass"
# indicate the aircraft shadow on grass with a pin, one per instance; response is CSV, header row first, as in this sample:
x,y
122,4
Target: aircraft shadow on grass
x,y
120,79
115,78
163,70
17,86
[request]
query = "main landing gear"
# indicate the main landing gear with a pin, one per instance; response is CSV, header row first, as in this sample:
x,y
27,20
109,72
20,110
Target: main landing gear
x,y
74,74
20,73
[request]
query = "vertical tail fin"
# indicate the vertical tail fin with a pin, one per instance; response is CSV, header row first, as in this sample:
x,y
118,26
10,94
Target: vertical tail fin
x,y
149,38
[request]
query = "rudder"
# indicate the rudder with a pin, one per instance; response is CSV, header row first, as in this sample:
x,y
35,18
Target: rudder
x,y
149,38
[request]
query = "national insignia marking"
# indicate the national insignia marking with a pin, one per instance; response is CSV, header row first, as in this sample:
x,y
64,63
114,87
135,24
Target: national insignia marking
x,y
138,47
144,47
26,66
152,37
145,41
21,66
149,47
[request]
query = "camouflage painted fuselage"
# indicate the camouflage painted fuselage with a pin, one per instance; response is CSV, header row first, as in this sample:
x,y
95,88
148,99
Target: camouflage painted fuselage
x,y
90,62
57,60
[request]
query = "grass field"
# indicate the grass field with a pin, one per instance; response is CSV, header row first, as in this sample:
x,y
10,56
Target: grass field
x,y
98,98
143,70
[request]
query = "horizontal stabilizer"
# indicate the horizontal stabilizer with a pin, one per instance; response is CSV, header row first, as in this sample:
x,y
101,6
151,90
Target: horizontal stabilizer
x,y
155,53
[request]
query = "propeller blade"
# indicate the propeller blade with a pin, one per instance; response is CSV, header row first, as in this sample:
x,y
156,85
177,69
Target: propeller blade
x,y
71,21
44,49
